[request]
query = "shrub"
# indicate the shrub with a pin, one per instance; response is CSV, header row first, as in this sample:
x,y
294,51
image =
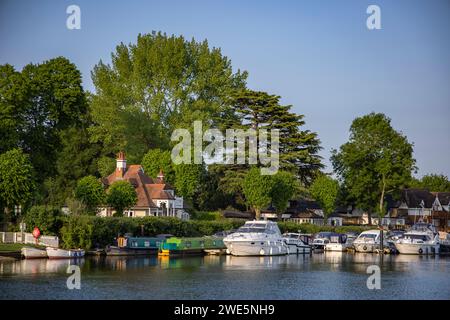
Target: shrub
x,y
47,219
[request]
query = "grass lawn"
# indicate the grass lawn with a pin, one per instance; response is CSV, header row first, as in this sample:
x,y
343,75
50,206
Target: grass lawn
x,y
11,247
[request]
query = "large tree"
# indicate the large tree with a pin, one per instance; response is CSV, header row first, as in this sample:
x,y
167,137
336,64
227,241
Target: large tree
x,y
16,179
375,161
156,85
298,148
156,160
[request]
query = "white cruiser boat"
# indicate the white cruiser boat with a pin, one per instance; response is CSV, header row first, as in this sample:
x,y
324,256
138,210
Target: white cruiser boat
x,y
297,243
338,242
256,238
422,238
369,241
56,253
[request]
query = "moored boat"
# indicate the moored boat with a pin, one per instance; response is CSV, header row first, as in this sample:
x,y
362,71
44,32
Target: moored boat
x,y
33,253
369,241
421,239
130,246
338,242
256,238
175,246
297,243
57,253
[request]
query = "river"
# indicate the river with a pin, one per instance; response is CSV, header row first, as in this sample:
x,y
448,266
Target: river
x,y
331,275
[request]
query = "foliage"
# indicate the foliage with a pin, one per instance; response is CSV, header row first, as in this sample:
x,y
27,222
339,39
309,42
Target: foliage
x,y
121,195
77,232
94,231
47,219
157,159
156,85
284,188
432,182
90,192
76,207
298,149
257,190
16,178
376,160
188,178
106,166
325,191
313,229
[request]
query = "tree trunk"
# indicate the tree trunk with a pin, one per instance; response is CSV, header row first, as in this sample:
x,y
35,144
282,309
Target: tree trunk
x,y
382,196
257,213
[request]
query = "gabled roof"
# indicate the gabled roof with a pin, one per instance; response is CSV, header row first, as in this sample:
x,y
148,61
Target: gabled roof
x,y
146,189
444,197
414,197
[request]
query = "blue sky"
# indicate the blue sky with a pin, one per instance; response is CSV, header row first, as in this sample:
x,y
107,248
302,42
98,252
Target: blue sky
x,y
318,55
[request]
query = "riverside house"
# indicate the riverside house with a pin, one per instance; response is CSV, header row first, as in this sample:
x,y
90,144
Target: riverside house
x,y
155,197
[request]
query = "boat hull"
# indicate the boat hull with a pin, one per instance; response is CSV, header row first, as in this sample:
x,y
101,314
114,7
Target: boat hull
x,y
339,247
256,248
366,247
416,248
34,253
55,253
117,251
298,249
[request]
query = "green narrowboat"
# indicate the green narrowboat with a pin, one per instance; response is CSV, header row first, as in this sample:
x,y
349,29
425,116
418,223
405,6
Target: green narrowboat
x,y
185,246
135,246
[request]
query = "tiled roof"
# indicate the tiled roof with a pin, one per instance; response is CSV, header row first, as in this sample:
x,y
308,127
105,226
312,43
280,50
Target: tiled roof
x,y
147,190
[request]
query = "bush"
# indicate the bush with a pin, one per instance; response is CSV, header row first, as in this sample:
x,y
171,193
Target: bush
x,y
206,215
88,231
47,219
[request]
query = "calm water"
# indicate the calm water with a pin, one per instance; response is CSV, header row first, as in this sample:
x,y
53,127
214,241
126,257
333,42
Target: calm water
x,y
319,276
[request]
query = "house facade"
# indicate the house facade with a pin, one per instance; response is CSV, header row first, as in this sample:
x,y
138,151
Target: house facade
x,y
155,197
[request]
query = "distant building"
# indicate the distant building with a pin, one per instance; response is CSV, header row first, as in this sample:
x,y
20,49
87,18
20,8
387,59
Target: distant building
x,y
415,204
304,211
155,197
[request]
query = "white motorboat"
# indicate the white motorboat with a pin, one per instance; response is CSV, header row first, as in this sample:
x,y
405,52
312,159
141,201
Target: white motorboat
x,y
33,253
338,242
321,240
56,253
422,238
297,243
256,238
369,241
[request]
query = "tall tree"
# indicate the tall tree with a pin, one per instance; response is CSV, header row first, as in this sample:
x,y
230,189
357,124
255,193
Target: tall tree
x,y
375,161
325,191
155,86
285,185
298,149
16,179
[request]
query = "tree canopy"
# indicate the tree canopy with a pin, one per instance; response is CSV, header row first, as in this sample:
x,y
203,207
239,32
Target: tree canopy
x,y
325,191
375,161
90,192
432,182
120,196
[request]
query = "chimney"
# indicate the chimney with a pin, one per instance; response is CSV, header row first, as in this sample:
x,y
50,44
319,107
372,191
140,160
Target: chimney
x,y
121,165
161,176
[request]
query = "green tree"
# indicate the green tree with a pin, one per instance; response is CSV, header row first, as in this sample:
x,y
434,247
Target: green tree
x,y
188,178
375,161
45,218
156,85
284,187
258,190
16,179
120,196
157,159
106,166
325,191
298,149
432,182
90,192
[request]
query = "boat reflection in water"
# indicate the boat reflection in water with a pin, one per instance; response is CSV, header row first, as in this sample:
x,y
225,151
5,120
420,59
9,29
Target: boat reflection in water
x,y
39,266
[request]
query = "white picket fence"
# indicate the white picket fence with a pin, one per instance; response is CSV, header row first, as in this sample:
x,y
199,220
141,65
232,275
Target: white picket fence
x,y
27,238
